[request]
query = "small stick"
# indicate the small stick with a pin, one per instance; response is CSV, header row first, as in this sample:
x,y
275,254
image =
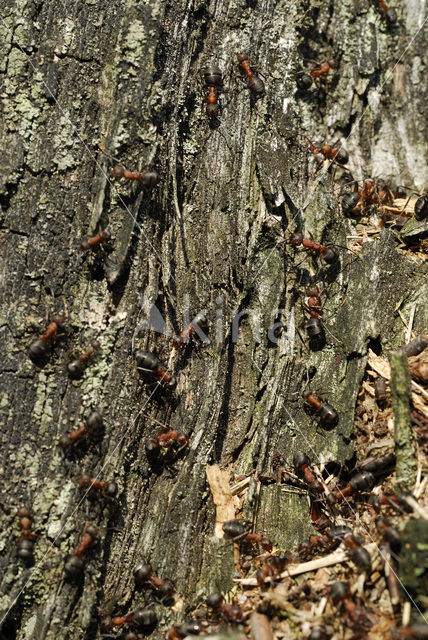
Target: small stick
x,y
294,570
401,395
411,319
260,627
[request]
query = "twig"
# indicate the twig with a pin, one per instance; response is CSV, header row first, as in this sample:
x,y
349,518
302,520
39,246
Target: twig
x,y
260,627
294,570
401,394
411,319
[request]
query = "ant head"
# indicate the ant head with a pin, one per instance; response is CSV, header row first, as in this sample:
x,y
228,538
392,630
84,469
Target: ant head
x,y
73,566
142,572
338,591
75,369
94,421
304,82
391,16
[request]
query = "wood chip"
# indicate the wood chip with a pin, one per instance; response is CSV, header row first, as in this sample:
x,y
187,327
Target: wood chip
x,y
218,480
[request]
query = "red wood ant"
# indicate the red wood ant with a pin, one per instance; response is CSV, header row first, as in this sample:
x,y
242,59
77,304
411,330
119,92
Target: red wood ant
x,y
73,564
301,464
314,326
369,194
358,554
235,529
313,542
40,347
328,416
146,178
421,208
200,320
147,361
254,83
397,501
340,595
304,81
139,618
77,366
213,82
167,441
26,541
362,481
109,489
189,628
329,254
377,466
93,427
230,612
275,565
144,573
390,14
90,243
338,156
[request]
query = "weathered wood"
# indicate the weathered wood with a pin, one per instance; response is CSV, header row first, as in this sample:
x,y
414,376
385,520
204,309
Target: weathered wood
x,y
401,396
124,78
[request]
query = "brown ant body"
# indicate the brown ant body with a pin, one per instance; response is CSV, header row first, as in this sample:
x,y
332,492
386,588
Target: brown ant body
x,y
328,416
93,427
362,481
90,243
377,466
254,83
109,489
179,631
421,208
301,464
341,596
397,501
305,80
369,194
273,567
147,361
390,14
26,541
140,618
73,564
380,392
329,254
200,320
338,156
314,326
146,178
39,349
230,612
144,573
167,441
77,366
235,529
213,82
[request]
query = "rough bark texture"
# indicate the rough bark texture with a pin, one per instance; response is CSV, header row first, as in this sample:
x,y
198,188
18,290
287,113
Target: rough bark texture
x,y
125,77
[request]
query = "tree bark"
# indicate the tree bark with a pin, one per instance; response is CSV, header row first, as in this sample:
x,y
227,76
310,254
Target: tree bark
x,y
123,78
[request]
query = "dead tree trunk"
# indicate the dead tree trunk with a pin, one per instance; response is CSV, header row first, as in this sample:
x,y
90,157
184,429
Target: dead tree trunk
x,y
123,78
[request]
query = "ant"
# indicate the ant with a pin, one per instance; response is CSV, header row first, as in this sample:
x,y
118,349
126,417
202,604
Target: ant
x,y
341,596
312,542
369,194
230,612
390,14
26,541
77,366
328,416
147,178
421,208
301,464
167,441
148,362
200,320
73,563
235,529
139,618
397,501
318,633
213,83
275,565
377,466
338,156
314,327
144,573
358,554
390,534
305,80
109,489
179,631
380,392
362,481
38,350
254,84
93,427
329,254
90,243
